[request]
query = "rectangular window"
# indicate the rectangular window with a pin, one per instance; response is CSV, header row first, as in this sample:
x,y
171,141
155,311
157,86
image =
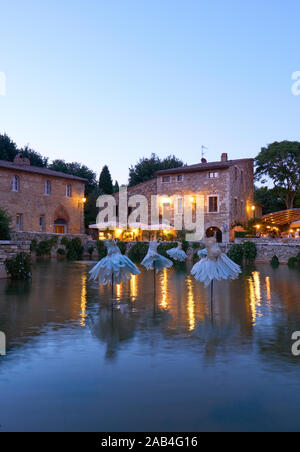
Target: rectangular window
x,y
69,191
179,178
166,179
19,222
213,204
213,175
15,183
42,223
47,187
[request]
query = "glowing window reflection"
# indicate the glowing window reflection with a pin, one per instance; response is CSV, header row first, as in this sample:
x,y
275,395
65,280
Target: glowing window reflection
x,y
83,314
190,304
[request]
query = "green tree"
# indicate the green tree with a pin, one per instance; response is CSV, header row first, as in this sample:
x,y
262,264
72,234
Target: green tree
x,y
280,162
35,158
105,181
269,199
116,187
76,169
8,149
4,225
145,169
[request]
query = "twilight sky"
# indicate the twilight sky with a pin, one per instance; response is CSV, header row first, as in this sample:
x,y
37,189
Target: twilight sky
x,y
107,82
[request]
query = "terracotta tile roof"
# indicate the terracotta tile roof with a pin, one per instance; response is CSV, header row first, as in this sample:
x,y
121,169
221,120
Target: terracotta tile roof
x,y
201,167
38,170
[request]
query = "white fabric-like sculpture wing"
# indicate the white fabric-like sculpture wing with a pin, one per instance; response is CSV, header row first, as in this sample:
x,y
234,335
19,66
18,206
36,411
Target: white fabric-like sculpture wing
x,y
114,266
154,260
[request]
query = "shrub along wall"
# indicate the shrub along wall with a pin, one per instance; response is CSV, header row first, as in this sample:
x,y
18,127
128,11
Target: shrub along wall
x,y
9,249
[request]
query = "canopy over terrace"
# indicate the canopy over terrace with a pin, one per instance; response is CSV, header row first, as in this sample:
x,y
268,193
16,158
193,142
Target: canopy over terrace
x,y
282,218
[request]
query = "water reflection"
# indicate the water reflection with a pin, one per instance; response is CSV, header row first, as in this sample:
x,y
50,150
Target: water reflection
x,y
61,296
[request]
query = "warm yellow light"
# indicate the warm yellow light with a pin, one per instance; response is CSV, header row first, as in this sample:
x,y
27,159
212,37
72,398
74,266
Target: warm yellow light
x,y
253,208
192,199
258,226
84,200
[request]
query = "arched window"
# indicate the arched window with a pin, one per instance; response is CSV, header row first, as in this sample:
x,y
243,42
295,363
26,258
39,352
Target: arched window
x,y
15,183
47,187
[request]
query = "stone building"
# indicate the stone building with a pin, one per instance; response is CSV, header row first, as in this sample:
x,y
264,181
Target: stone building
x,y
41,200
225,186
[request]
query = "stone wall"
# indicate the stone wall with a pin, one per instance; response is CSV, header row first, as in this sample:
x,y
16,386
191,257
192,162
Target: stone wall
x,y
267,248
9,249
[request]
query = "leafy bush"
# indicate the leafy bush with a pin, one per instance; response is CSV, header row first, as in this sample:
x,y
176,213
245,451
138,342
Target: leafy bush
x,y
292,262
102,251
90,251
240,234
185,245
19,267
61,252
44,248
236,253
122,246
164,247
274,262
138,252
5,221
250,252
196,245
195,257
33,245
74,249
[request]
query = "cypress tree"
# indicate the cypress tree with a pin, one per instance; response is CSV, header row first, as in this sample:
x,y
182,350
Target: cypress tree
x,y
105,181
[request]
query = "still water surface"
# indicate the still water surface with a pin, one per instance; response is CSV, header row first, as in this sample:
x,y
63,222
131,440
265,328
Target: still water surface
x,y
150,364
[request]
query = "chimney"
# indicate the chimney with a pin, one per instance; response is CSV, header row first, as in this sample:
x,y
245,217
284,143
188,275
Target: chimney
x,y
224,157
203,160
20,160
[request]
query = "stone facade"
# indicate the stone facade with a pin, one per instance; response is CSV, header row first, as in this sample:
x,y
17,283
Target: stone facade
x,y
228,182
40,200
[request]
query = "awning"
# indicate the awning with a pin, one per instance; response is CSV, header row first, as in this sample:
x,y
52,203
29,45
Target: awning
x,y
281,218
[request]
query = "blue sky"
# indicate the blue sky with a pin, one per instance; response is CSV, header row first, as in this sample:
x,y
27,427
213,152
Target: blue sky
x,y
107,82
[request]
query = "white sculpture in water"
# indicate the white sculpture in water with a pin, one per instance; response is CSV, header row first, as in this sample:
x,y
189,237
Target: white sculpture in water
x,y
114,268
214,264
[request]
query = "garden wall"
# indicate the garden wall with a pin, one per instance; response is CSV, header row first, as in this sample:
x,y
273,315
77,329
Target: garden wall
x,y
10,249
267,248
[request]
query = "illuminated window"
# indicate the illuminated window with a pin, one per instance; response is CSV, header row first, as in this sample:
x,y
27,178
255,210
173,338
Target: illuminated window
x,y
213,175
47,187
213,204
15,183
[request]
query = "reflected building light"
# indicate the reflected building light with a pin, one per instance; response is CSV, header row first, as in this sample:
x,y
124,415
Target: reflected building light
x,y
190,304
133,287
118,291
83,314
268,285
255,294
164,290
